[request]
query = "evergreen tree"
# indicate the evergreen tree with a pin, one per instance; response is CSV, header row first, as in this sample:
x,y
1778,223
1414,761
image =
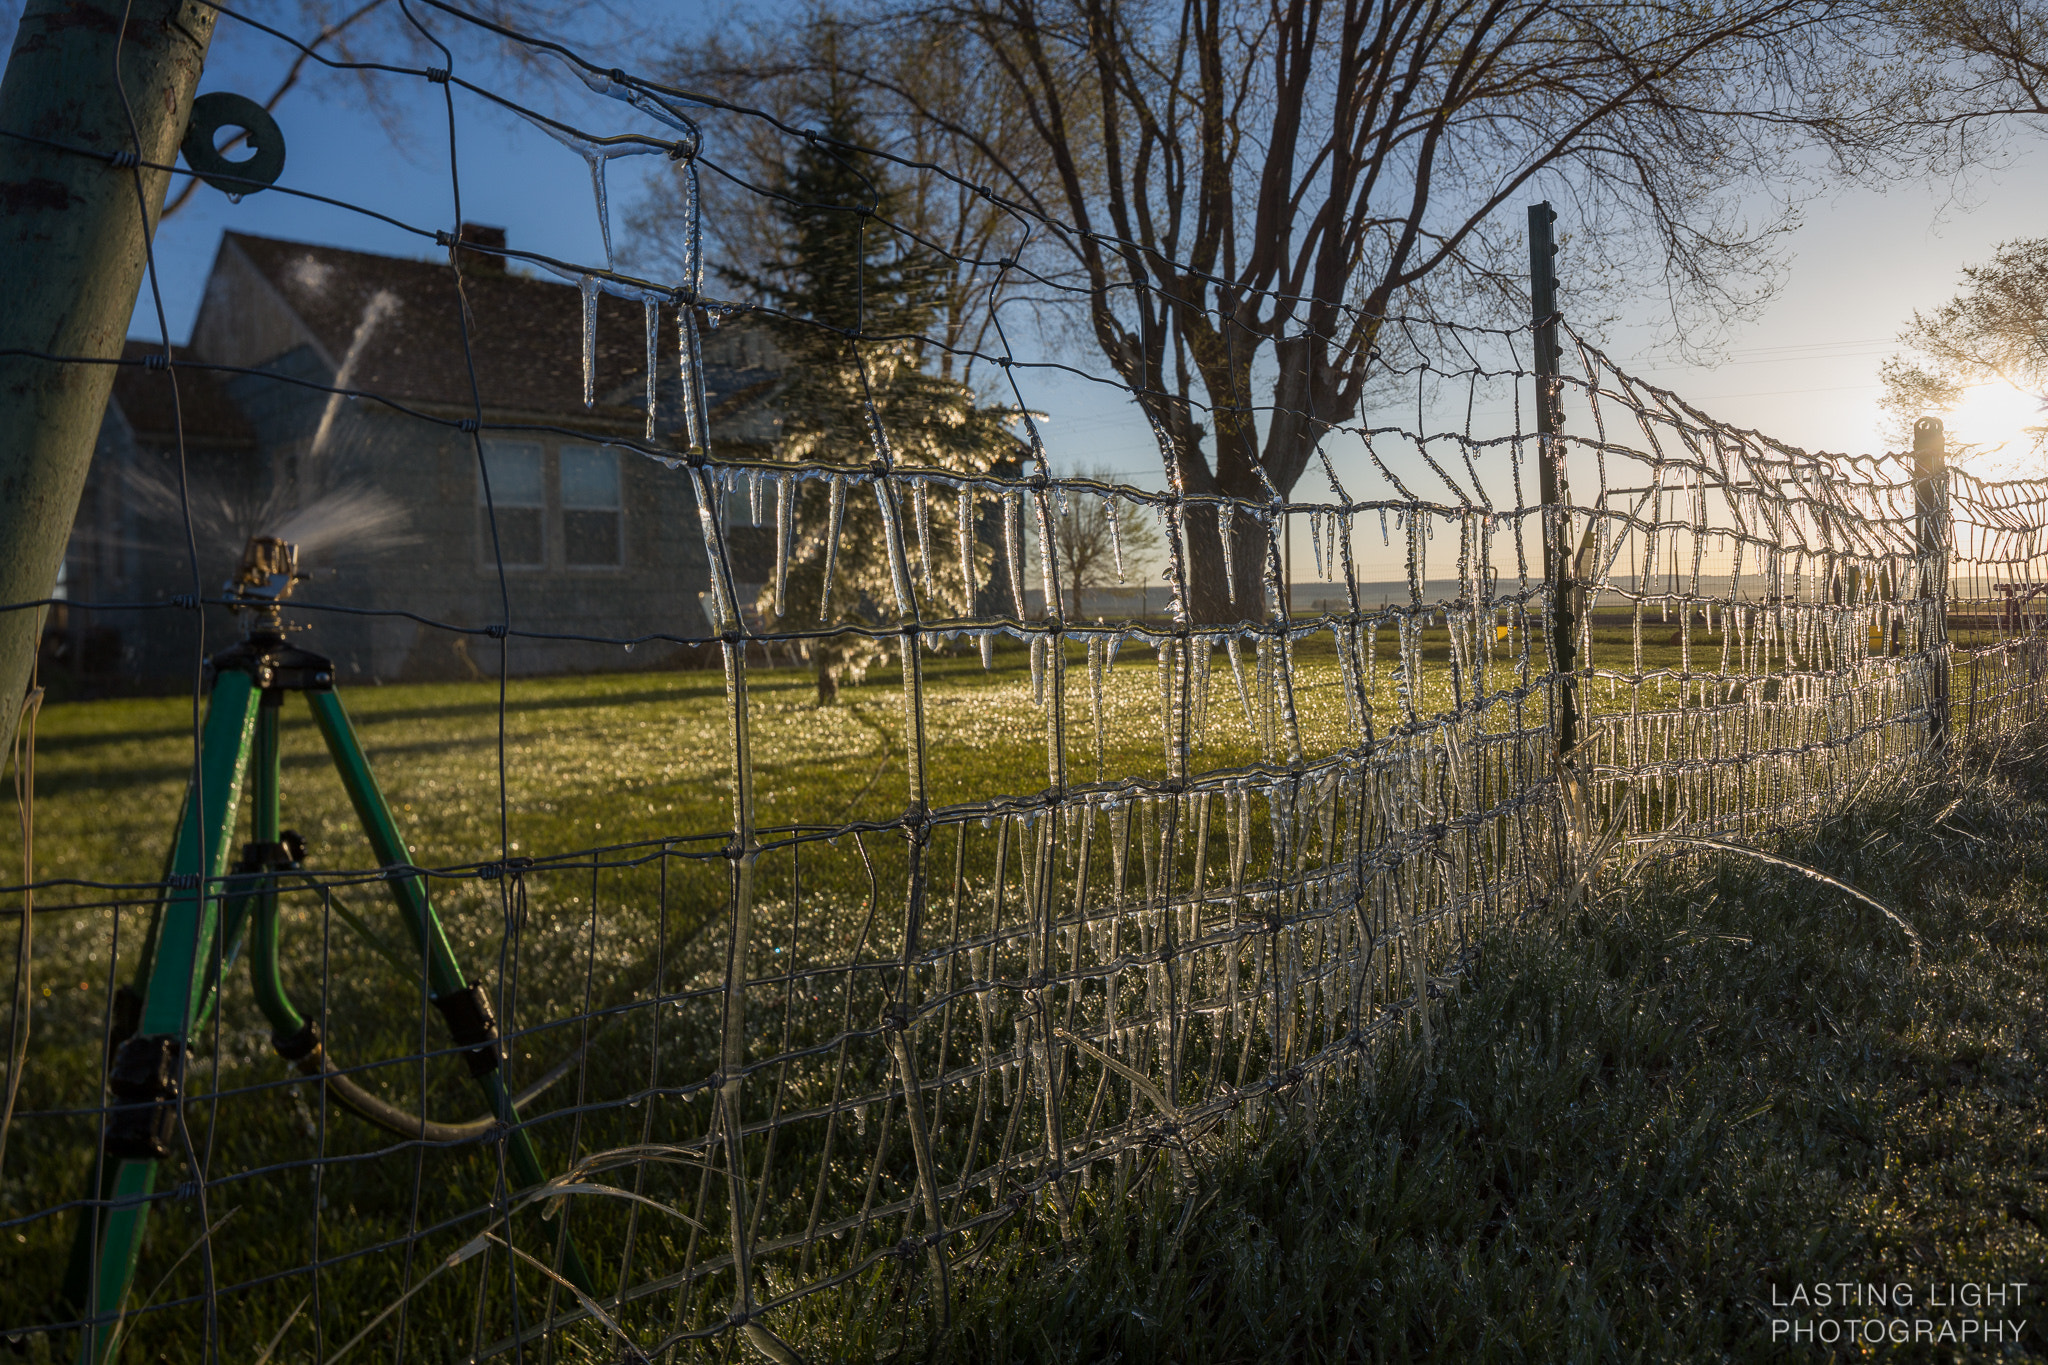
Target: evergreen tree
x,y
855,303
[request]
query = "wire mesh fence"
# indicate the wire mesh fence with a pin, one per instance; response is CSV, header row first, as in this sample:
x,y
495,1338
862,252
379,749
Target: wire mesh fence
x,y
1123,888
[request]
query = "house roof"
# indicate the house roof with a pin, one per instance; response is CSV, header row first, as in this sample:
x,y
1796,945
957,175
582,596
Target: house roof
x,y
201,407
525,335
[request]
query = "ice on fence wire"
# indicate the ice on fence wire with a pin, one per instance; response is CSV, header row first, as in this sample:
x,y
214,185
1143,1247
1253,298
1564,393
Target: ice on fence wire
x,y
1226,533
921,513
722,612
1048,553
653,315
690,374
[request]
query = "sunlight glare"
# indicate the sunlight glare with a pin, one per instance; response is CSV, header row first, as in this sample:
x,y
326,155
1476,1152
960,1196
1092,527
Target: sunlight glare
x,y
2004,426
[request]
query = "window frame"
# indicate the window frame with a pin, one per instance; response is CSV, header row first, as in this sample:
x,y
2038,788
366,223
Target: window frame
x,y
563,452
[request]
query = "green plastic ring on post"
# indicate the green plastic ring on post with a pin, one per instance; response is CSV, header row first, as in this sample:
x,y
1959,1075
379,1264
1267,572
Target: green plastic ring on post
x,y
218,110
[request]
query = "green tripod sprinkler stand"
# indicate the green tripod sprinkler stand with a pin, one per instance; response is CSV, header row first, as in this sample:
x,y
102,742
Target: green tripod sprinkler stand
x,y
198,927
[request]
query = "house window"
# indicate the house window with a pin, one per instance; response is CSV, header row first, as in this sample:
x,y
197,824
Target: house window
x,y
590,507
518,494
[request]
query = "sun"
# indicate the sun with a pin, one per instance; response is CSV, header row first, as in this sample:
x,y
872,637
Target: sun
x,y
2004,427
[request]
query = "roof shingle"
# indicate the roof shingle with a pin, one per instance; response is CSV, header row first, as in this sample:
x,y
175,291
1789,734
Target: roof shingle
x,y
525,335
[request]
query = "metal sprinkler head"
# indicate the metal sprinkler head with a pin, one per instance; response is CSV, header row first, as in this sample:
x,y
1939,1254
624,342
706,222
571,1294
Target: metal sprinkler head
x,y
265,577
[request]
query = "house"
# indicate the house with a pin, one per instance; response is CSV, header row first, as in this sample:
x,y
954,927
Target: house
x,y
385,493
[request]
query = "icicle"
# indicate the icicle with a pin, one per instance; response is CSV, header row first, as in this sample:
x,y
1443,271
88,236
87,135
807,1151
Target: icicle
x,y
785,516
1166,726
837,489
1226,531
653,313
1013,546
965,530
1037,670
597,155
588,285
1243,692
921,517
1315,541
892,548
987,640
1116,541
1201,646
754,496
604,209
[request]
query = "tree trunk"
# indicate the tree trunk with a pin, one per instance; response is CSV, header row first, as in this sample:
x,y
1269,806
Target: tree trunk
x,y
828,681
1211,599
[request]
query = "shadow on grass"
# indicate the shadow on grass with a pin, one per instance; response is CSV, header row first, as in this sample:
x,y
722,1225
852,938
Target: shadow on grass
x,y
1644,1128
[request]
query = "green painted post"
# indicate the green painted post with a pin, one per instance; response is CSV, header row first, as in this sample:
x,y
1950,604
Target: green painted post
x,y
444,973
71,261
177,981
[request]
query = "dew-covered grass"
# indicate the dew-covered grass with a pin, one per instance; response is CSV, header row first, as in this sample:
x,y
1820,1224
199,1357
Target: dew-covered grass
x,y
639,766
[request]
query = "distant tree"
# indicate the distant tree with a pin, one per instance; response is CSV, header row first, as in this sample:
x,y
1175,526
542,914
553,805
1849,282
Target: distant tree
x,y
1086,541
1995,328
851,307
760,60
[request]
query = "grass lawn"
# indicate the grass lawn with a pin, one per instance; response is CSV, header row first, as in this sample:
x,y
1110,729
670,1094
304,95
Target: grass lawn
x,y
640,764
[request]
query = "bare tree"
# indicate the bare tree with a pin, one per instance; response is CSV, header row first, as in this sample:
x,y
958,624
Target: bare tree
x,y
1244,189
1096,545
344,33
1998,54
1995,328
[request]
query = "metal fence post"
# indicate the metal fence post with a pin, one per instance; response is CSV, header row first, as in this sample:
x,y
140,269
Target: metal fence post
x,y
71,260
1557,530
1930,517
